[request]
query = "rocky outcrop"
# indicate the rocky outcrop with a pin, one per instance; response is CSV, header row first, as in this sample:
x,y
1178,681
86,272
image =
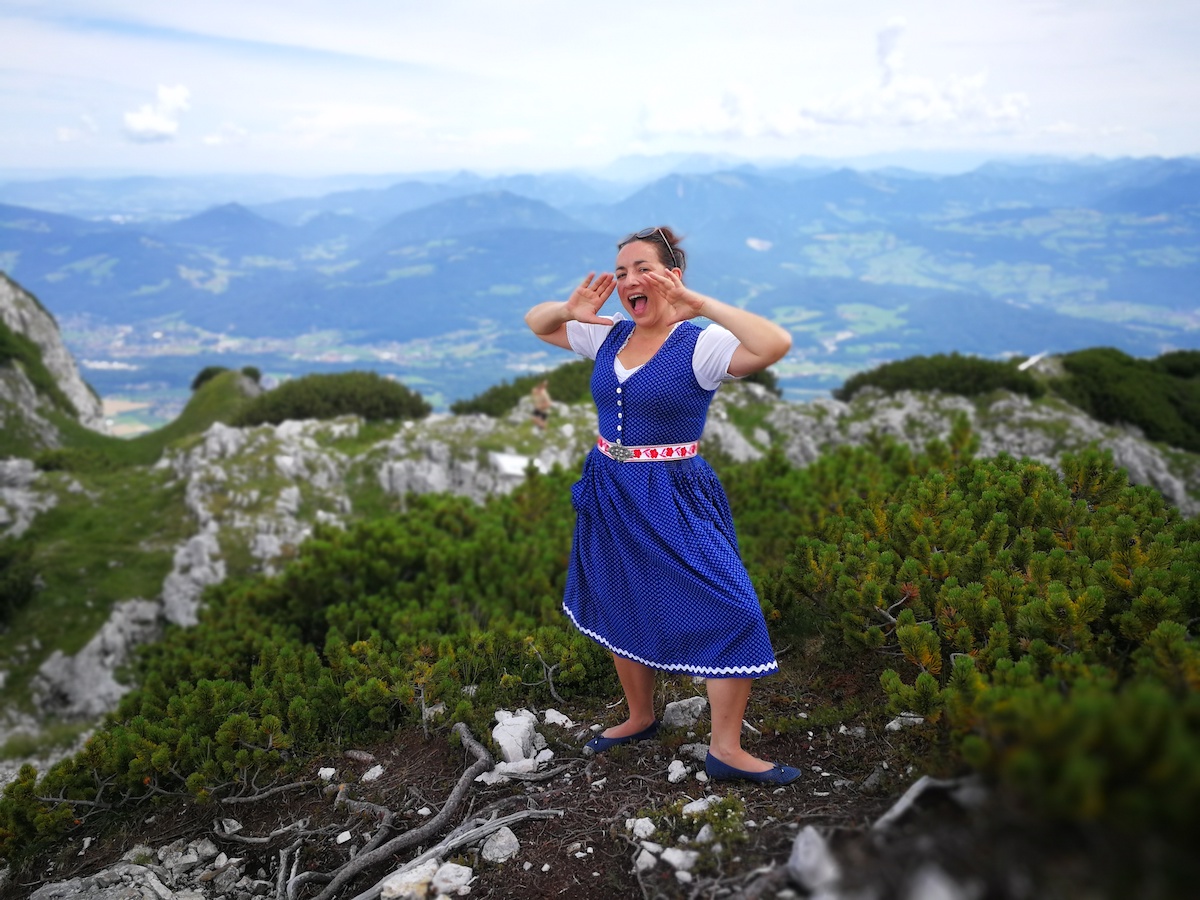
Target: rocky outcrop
x,y
1044,431
260,492
20,312
20,499
83,686
451,454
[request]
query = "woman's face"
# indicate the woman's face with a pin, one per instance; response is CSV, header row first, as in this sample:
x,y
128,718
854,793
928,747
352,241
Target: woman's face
x,y
634,260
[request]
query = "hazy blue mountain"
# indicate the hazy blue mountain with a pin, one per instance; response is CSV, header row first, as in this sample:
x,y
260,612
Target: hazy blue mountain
x,y
158,198
40,225
1176,192
562,191
462,216
428,279
230,227
331,226
372,205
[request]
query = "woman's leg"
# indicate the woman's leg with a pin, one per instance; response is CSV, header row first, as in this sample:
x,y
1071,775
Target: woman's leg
x,y
728,697
638,683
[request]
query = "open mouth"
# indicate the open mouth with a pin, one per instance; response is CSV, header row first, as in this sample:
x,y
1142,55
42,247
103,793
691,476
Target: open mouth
x,y
637,303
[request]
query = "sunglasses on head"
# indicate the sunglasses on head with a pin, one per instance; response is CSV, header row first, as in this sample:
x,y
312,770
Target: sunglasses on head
x,y
649,233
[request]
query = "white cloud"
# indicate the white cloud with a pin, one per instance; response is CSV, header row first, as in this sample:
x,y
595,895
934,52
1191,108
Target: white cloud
x,y
69,134
340,121
901,100
898,100
158,121
733,115
228,133
887,49
910,101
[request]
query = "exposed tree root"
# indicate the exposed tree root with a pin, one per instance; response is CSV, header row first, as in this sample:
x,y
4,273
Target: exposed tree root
x,y
459,838
377,853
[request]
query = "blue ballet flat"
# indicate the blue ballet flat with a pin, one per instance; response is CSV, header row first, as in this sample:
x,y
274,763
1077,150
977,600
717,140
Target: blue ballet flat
x,y
600,744
779,774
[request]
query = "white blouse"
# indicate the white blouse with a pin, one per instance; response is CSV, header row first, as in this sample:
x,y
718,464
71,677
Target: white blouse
x,y
710,360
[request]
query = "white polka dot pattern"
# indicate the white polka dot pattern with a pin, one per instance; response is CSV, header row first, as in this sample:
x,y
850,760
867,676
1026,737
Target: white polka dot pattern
x,y
655,573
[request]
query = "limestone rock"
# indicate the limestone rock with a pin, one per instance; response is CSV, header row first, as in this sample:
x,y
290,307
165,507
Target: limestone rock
x,y
20,500
515,735
811,865
452,880
24,315
684,713
197,565
84,686
410,885
642,828
930,882
501,846
683,860
698,807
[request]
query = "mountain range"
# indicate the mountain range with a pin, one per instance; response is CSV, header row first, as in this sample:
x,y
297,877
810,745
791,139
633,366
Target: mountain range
x,y
427,279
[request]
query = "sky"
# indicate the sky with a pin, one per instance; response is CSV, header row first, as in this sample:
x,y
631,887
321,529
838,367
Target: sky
x,y
306,87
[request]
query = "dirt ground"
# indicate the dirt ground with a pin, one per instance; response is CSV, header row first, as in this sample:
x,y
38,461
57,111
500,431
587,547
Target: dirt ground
x,y
854,771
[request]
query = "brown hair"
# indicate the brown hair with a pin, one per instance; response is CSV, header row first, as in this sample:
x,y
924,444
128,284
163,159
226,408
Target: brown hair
x,y
666,242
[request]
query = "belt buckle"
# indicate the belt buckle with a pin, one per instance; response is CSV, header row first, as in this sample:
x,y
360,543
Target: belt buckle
x,y
620,453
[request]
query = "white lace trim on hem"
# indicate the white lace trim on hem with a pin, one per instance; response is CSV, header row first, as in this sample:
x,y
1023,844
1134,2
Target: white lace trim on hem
x,y
705,671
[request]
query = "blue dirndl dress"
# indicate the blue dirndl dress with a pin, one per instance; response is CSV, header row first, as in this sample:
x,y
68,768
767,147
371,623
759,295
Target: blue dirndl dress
x,y
655,574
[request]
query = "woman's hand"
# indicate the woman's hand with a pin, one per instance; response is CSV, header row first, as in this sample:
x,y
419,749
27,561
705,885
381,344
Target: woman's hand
x,y
585,301
669,288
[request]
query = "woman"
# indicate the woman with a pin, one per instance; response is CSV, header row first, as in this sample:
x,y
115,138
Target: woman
x,y
655,574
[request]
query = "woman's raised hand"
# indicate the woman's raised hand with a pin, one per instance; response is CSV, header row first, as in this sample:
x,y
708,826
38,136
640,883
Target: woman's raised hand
x,y
668,287
585,301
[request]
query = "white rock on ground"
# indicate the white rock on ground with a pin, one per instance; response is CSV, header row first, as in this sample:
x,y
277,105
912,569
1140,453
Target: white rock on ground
x,y
453,880
514,734
677,772
811,864
684,713
642,828
554,717
698,807
500,772
410,885
501,846
930,882
683,860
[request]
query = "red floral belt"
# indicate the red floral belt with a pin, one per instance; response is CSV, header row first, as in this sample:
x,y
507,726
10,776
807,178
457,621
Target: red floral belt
x,y
649,453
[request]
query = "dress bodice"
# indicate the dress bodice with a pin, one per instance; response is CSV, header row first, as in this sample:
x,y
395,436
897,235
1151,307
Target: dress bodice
x,y
661,402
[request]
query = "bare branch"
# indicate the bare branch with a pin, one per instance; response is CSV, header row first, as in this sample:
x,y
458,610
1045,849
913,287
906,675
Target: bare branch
x,y
464,839
269,792
887,616
362,862
549,673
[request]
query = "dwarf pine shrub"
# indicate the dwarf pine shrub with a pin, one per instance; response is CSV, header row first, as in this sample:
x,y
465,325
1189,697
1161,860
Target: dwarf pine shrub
x,y
1044,619
951,373
365,394
568,383
356,637
1160,396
